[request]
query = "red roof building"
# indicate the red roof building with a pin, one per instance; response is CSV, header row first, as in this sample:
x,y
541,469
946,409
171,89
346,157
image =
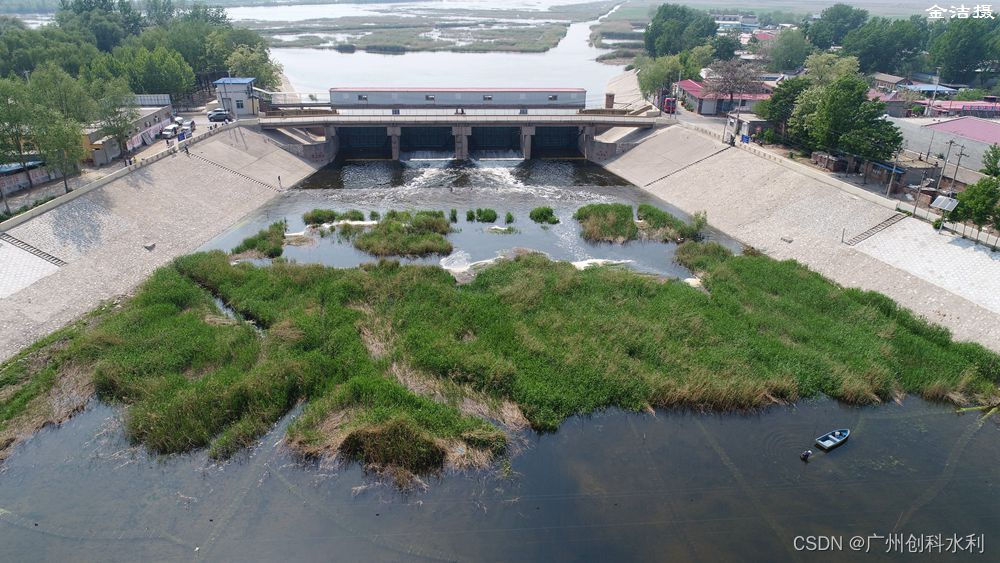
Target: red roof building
x,y
978,108
706,103
974,128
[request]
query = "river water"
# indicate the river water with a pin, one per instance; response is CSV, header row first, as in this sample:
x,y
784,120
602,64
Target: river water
x,y
608,486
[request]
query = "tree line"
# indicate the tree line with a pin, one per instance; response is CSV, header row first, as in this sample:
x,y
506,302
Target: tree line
x,y
963,48
87,66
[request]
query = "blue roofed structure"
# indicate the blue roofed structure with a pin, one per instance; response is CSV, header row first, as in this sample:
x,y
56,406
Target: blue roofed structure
x,y
234,80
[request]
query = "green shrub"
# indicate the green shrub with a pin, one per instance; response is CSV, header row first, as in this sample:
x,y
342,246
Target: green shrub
x,y
608,222
661,225
269,242
373,216
320,216
352,215
543,215
508,218
470,215
421,235
453,216
486,215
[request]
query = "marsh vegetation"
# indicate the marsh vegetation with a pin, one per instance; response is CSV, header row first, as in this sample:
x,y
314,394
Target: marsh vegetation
x,y
404,369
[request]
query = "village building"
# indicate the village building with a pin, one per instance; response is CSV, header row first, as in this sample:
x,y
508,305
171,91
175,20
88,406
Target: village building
x,y
696,97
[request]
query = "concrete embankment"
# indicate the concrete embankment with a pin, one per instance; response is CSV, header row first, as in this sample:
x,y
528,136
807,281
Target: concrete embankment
x,y
789,214
64,262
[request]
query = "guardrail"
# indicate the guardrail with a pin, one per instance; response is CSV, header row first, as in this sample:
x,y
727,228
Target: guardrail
x,y
120,173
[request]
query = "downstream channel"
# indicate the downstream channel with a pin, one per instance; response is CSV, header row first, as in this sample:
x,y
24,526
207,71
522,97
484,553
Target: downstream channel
x,y
609,486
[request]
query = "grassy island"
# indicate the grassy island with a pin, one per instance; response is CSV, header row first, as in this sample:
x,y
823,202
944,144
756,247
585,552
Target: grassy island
x,y
403,234
607,222
404,369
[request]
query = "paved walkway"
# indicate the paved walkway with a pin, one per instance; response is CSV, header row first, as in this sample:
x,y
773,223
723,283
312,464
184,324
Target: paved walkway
x,y
177,203
766,205
20,269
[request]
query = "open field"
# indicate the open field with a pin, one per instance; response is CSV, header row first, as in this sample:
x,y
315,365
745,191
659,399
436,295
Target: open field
x,y
407,371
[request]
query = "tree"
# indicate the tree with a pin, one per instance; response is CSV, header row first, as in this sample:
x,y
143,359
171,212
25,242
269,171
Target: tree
x,y
54,88
255,62
834,23
790,50
964,47
117,113
841,117
18,117
978,203
825,68
696,59
991,161
159,12
728,78
675,28
969,94
58,141
658,74
724,47
779,107
884,45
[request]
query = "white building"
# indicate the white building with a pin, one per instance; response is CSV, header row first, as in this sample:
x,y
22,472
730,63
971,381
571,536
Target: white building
x,y
236,96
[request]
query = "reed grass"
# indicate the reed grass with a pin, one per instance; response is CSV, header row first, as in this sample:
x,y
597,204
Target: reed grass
x,y
551,339
543,215
269,242
607,222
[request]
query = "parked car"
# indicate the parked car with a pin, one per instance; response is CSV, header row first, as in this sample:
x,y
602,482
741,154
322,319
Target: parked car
x,y
218,115
179,120
170,131
189,125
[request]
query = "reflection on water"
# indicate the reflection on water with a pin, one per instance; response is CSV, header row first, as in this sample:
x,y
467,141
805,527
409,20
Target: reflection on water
x,y
612,486
506,185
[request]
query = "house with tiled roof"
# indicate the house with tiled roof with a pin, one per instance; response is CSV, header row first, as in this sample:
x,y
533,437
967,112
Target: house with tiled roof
x,y
884,81
695,95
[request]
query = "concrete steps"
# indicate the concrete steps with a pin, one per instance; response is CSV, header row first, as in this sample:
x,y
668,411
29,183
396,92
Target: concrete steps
x,y
876,229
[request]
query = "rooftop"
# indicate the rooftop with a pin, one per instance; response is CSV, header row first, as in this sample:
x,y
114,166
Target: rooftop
x,y
970,127
695,89
234,80
432,89
885,77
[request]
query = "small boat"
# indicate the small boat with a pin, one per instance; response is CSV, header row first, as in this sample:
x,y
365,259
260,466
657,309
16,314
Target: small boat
x,y
833,439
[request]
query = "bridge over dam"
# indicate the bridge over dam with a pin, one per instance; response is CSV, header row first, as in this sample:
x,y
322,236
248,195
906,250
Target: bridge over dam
x,y
459,123
464,135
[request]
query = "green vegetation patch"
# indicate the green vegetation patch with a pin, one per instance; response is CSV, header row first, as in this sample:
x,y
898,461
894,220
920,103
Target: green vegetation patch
x,y
320,216
486,215
370,349
543,215
661,225
607,222
403,234
269,241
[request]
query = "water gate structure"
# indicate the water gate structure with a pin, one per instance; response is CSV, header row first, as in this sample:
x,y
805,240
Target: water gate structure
x,y
389,123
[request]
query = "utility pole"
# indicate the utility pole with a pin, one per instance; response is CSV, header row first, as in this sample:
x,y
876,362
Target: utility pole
x,y
961,153
945,166
937,79
892,175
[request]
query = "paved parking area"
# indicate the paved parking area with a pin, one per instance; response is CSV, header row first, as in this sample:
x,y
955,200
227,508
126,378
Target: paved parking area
x,y
948,261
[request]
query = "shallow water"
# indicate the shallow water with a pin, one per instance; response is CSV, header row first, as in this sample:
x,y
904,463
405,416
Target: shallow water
x,y
611,486
508,185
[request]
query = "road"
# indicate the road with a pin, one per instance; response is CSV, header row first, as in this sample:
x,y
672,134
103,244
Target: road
x,y
90,173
